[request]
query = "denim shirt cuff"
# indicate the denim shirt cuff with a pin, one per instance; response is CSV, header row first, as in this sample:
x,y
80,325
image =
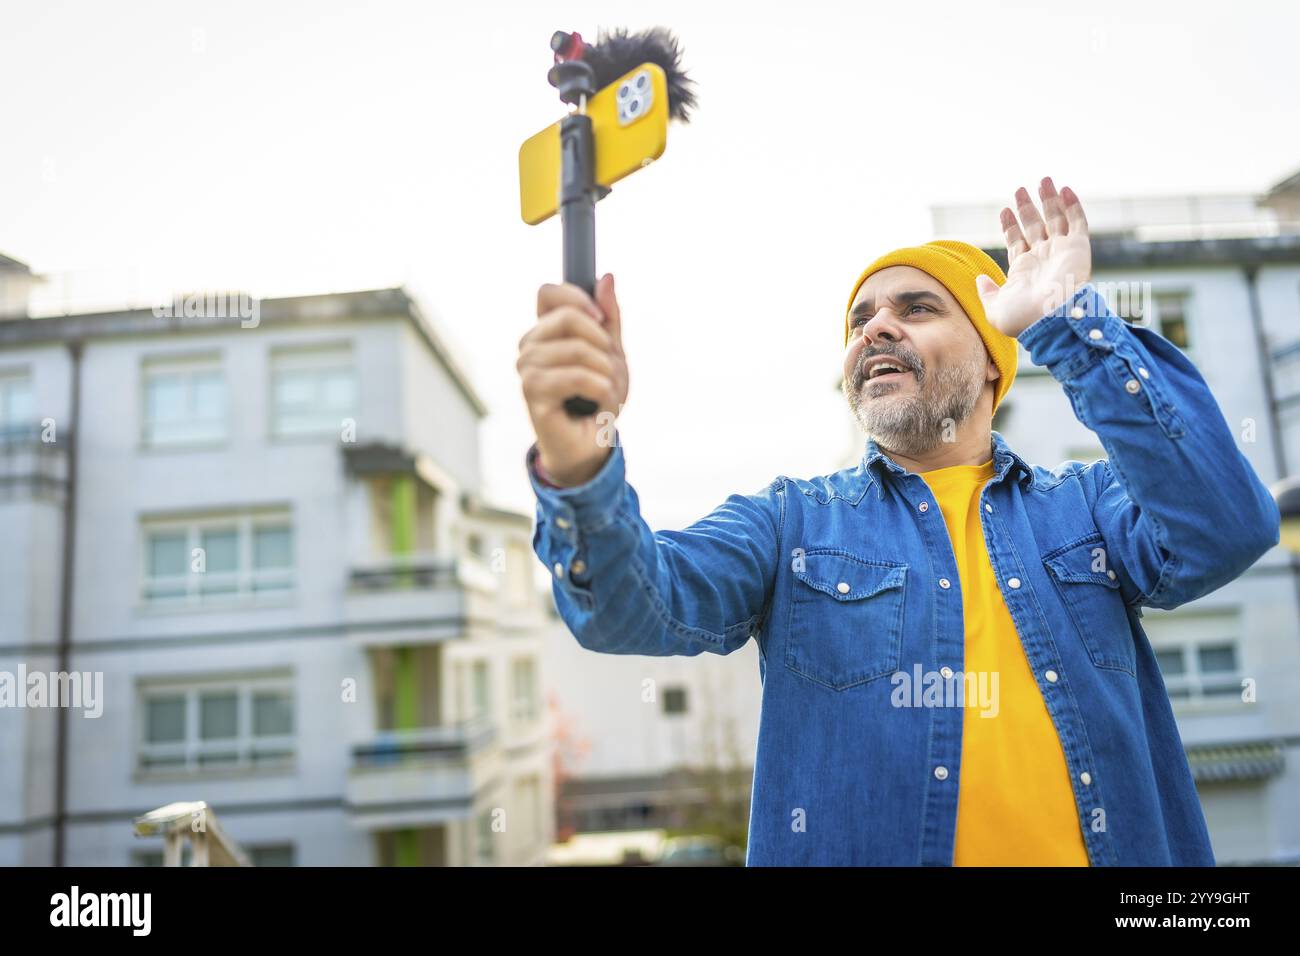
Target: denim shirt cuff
x,y
591,505
1072,337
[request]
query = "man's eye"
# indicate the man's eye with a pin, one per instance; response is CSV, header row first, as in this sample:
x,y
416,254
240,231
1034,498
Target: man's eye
x,y
862,319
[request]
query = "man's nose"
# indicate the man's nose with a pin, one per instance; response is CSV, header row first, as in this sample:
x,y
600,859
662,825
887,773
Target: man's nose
x,y
882,325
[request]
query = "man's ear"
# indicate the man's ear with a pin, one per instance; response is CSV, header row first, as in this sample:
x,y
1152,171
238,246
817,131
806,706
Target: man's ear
x,y
992,374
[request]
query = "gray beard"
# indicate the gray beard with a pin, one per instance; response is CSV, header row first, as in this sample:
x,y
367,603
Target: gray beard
x,y
915,425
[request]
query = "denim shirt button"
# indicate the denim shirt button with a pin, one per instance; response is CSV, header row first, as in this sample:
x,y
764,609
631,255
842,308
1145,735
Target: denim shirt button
x,y
945,583
988,507
1051,676
1095,334
941,773
563,522
842,587
577,567
923,507
559,569
1086,777
1132,386
946,671
1013,582
1077,312
1143,372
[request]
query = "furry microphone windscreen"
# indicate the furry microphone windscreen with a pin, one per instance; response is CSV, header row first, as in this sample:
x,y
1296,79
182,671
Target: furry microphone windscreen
x,y
616,51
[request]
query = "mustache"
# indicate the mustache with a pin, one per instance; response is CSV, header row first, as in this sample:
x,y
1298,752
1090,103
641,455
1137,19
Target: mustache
x,y
906,355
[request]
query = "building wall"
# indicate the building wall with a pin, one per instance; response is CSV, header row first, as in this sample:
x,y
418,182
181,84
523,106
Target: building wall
x,y
616,704
125,481
405,400
435,415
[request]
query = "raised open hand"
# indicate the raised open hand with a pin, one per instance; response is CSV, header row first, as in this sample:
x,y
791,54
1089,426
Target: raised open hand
x,y
1048,256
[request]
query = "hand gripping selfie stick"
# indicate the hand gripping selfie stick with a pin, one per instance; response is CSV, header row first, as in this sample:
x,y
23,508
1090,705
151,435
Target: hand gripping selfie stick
x,y
624,88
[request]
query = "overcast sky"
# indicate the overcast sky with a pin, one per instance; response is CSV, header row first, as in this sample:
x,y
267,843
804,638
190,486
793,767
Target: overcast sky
x,y
292,148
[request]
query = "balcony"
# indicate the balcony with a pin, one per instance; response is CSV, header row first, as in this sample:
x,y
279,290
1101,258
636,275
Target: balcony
x,y
421,777
417,598
33,461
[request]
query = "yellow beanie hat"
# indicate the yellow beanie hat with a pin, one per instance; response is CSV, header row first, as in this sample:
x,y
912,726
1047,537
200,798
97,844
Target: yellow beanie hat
x,y
955,264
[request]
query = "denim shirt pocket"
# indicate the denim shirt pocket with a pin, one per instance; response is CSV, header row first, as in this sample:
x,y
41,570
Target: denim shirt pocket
x,y
1089,589
846,618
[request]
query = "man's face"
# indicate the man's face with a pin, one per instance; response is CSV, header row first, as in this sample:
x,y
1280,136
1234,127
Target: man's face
x,y
905,318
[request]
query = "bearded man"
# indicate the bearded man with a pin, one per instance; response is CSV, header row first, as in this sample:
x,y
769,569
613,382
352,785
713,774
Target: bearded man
x,y
953,667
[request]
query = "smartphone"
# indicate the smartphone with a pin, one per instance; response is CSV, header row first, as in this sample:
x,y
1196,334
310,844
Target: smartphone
x,y
629,122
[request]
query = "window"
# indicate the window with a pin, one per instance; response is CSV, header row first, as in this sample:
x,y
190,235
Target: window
x,y
1286,373
1200,671
482,691
217,558
1171,314
184,401
17,411
674,700
313,390
273,855
519,573
474,543
1168,315
523,690
155,857
528,812
216,724
486,843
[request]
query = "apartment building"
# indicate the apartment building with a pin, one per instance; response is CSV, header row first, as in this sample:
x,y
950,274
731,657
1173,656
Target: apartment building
x,y
262,528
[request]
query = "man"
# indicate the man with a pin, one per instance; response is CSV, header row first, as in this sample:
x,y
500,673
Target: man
x,y
953,668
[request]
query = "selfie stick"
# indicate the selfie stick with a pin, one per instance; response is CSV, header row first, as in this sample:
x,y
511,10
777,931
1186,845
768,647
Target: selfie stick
x,y
580,71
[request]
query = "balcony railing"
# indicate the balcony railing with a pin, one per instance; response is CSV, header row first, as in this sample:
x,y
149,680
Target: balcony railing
x,y
34,457
405,571
451,742
418,598
421,777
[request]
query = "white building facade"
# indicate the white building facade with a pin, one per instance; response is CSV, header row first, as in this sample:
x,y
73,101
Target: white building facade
x,y
276,559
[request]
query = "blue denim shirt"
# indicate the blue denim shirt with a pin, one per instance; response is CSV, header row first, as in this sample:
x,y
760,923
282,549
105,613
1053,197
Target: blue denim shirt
x,y
837,578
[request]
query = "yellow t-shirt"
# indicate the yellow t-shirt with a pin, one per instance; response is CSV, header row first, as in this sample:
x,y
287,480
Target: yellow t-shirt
x,y
1014,804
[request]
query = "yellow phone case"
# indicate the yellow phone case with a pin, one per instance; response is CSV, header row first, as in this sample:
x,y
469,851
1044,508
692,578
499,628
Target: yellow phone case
x,y
627,138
